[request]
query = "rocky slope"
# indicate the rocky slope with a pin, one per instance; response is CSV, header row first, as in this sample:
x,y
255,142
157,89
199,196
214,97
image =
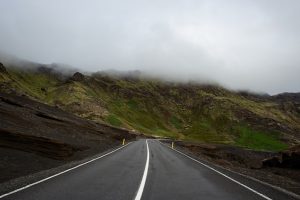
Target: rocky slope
x,y
280,169
188,111
35,137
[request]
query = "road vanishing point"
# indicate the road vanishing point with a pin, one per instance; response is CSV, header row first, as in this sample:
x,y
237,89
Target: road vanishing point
x,y
146,169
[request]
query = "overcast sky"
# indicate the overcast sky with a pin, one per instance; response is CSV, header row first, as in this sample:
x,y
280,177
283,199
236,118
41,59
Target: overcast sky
x,y
241,44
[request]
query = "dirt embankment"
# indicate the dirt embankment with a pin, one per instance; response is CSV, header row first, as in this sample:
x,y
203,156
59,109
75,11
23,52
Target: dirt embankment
x,y
35,137
280,169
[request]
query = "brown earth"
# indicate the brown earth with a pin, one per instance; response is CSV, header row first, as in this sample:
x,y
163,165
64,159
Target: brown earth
x,y
35,137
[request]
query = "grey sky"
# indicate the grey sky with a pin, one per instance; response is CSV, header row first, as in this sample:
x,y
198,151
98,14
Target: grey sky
x,y
241,44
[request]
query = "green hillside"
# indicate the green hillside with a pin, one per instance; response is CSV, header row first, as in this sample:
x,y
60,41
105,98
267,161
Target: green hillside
x,y
203,113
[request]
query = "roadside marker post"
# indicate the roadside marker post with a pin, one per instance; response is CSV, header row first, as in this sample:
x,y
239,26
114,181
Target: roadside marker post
x,y
172,145
123,143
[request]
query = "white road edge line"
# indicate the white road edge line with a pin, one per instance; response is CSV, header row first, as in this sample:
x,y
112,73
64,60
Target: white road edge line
x,y
241,184
142,184
45,179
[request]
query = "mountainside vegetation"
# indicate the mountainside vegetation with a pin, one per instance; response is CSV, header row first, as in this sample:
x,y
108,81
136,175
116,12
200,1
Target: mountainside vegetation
x,y
186,111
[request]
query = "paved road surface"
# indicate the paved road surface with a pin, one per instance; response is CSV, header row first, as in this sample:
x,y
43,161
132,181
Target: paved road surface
x,y
168,175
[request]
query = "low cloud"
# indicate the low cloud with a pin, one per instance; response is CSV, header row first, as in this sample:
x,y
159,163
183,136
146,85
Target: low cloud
x,y
242,45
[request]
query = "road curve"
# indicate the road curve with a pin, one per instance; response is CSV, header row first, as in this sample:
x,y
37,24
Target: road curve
x,y
168,175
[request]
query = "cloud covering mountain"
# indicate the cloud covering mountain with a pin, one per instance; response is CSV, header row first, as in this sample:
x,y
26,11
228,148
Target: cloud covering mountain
x,y
240,44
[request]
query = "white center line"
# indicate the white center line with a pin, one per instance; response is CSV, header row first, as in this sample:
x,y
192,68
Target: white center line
x,y
142,185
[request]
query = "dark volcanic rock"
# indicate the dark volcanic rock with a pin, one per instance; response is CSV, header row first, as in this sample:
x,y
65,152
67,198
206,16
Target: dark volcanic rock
x,y
291,160
228,155
2,68
286,159
284,97
249,162
77,77
271,162
43,89
43,146
36,136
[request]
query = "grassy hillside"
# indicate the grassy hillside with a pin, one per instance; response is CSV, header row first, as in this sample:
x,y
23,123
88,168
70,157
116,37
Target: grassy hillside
x,y
203,113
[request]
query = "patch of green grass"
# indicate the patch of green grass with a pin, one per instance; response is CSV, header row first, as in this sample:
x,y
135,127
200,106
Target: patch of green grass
x,y
3,77
113,120
191,112
258,140
62,94
133,105
176,122
31,82
128,112
204,131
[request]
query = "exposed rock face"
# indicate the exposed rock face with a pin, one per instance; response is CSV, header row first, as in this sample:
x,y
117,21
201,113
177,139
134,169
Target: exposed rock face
x,y
284,97
44,69
77,77
271,162
286,159
2,68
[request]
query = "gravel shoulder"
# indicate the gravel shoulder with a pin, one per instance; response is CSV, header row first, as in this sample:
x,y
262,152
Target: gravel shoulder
x,y
245,162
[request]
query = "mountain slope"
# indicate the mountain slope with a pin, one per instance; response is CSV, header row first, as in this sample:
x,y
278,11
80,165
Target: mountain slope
x,y
195,112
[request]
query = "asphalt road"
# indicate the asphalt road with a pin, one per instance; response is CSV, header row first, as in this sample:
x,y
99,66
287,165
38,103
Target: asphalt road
x,y
147,170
